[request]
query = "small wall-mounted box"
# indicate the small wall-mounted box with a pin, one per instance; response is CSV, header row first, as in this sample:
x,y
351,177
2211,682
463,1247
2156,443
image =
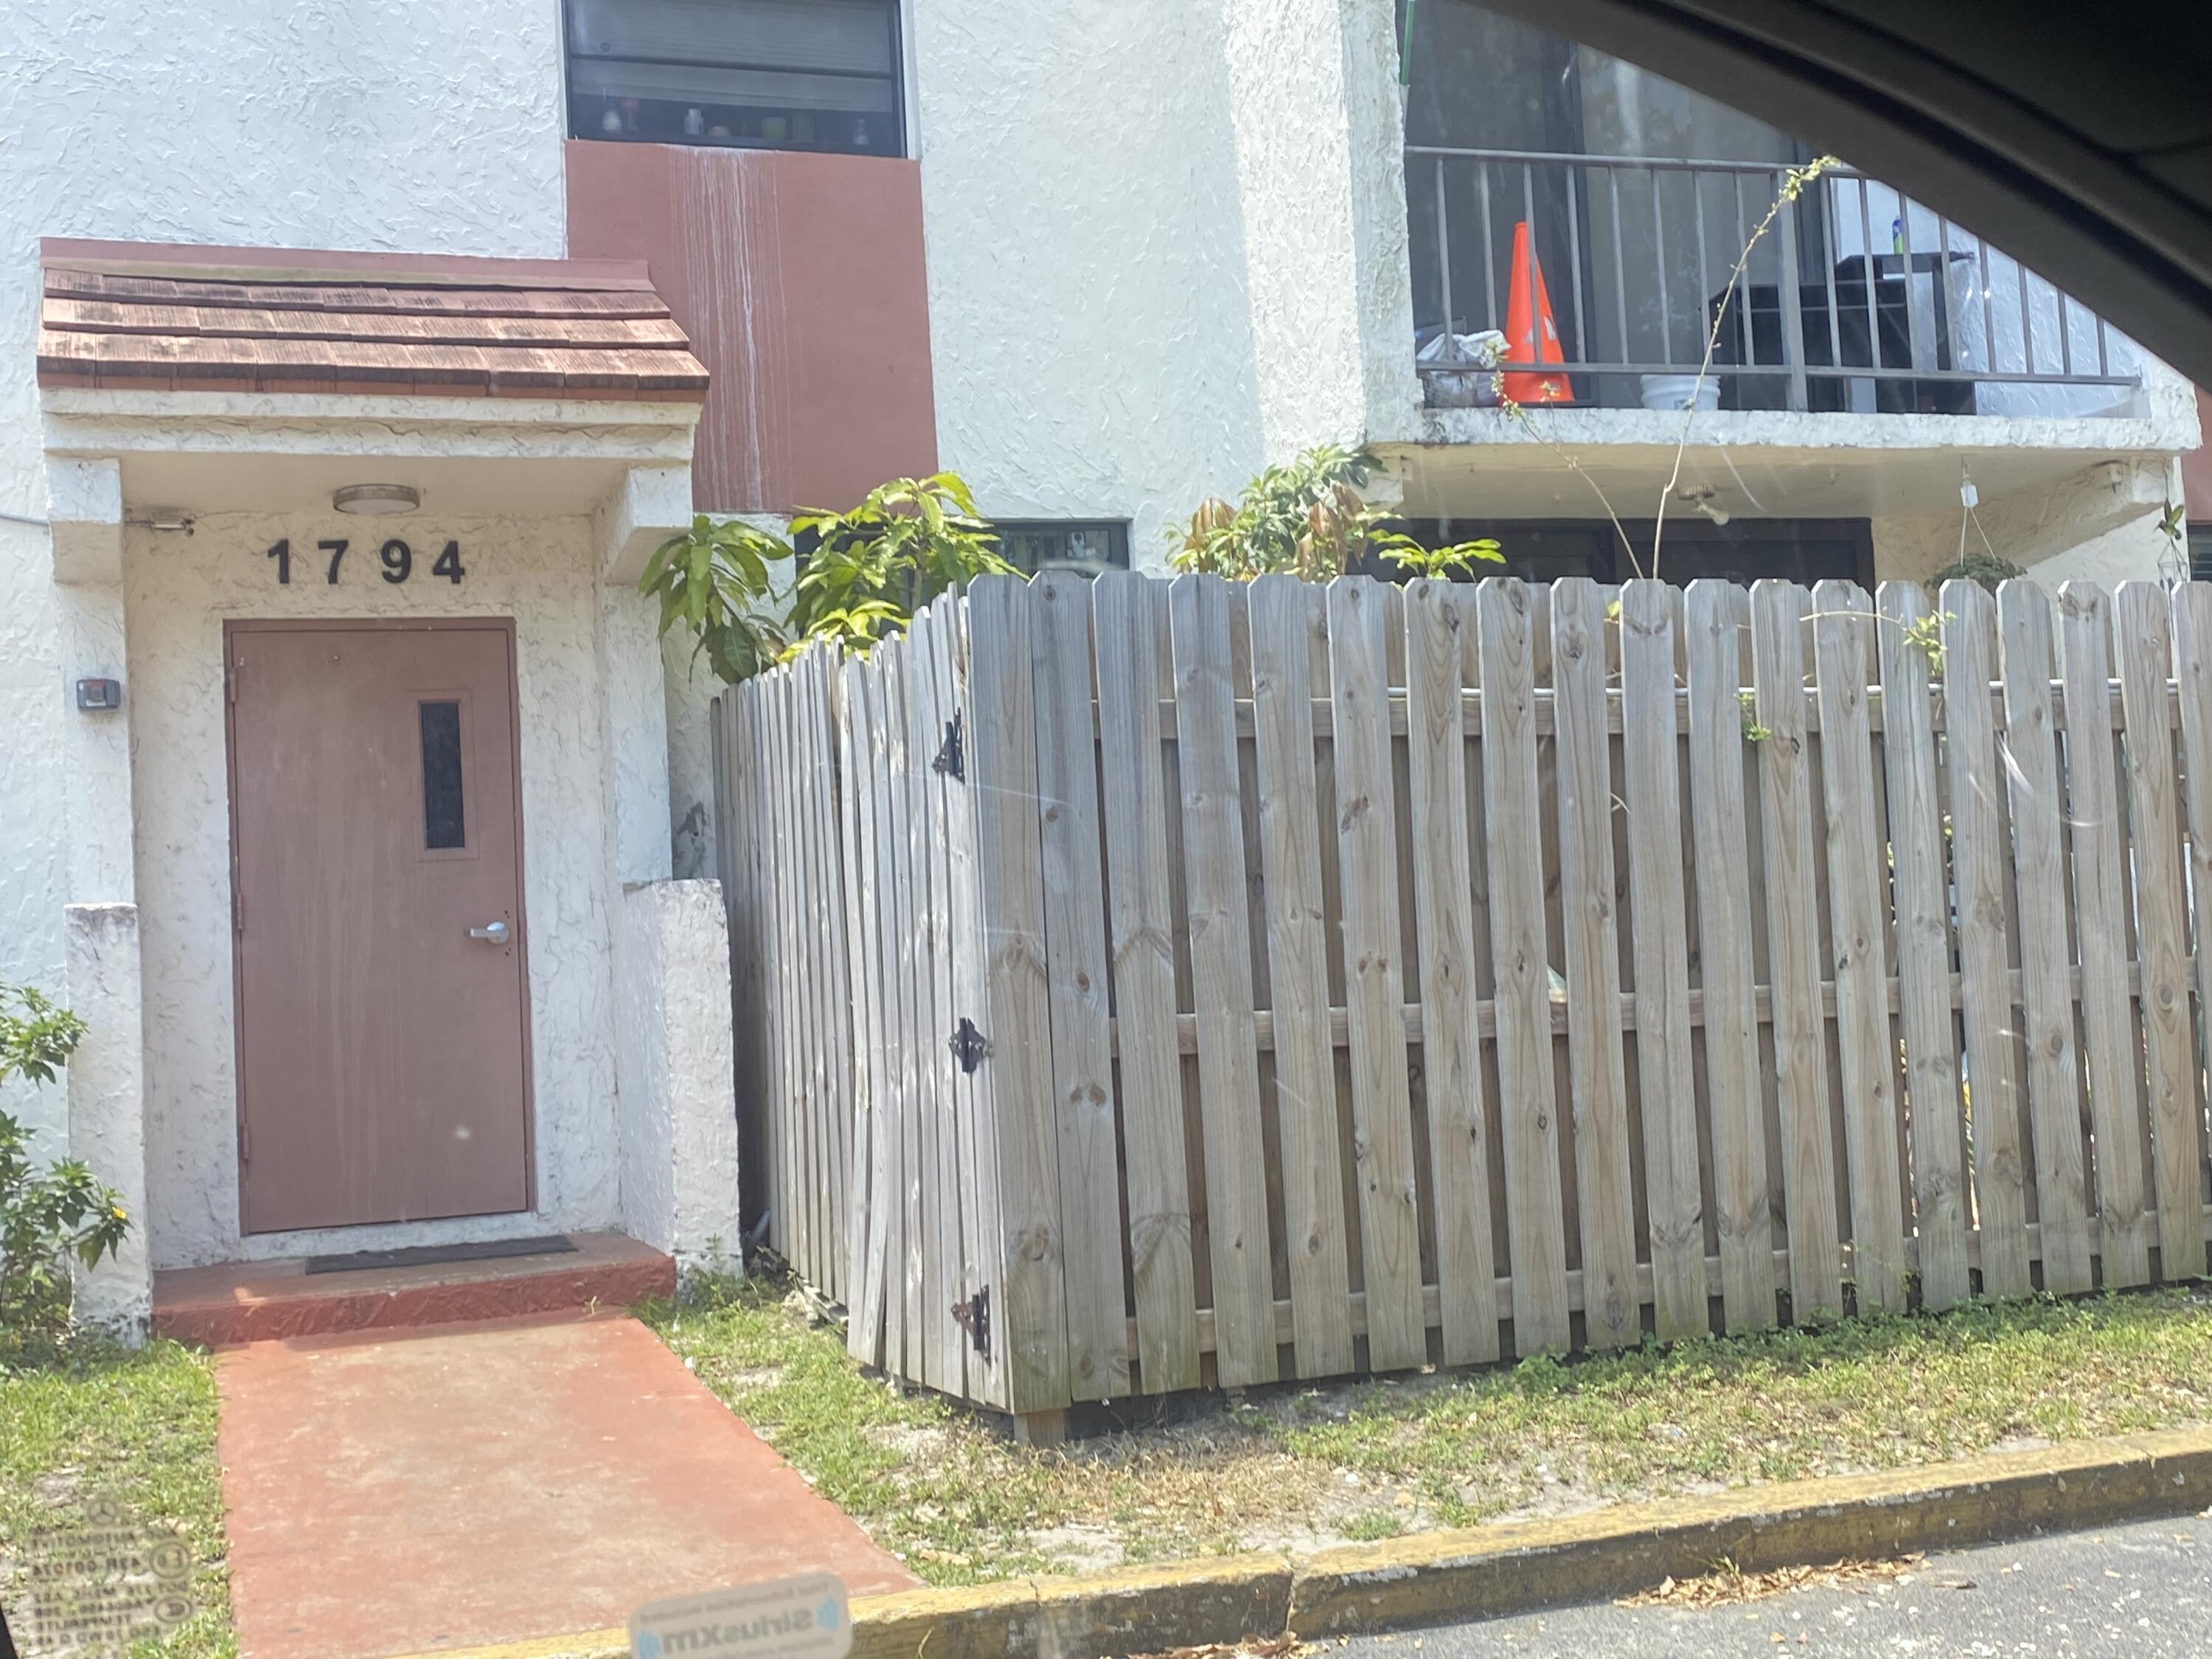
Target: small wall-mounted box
x,y
100,693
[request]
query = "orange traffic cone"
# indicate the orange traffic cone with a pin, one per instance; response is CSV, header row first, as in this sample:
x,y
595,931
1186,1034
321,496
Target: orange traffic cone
x,y
1531,338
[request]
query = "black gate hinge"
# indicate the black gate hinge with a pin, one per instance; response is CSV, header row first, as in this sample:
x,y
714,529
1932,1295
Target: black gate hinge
x,y
974,1316
969,1046
950,760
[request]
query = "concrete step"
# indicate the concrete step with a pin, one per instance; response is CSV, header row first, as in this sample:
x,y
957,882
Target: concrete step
x,y
256,1301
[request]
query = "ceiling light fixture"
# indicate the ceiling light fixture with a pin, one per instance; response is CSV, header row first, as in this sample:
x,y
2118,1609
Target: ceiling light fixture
x,y
375,498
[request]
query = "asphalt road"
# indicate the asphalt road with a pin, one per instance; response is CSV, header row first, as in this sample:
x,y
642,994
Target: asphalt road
x,y
2143,1590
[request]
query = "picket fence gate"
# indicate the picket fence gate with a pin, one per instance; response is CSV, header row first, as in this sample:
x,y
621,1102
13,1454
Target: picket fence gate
x,y
1145,985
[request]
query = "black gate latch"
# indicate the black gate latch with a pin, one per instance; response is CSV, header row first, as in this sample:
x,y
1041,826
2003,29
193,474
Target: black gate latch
x,y
950,762
969,1045
974,1316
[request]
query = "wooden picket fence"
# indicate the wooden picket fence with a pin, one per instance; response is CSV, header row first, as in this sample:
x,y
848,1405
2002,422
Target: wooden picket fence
x,y
1148,985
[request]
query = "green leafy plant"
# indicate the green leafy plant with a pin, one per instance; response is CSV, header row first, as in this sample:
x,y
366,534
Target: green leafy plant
x,y
1988,568
46,1215
872,567
1310,519
1453,563
1925,635
1298,519
1747,700
717,579
867,571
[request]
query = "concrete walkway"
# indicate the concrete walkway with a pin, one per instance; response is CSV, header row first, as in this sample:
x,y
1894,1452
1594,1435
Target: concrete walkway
x,y
393,1491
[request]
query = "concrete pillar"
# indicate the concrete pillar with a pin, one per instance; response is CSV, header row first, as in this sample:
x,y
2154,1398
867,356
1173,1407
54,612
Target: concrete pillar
x,y
106,1103
675,1071
106,1085
86,507
1319,135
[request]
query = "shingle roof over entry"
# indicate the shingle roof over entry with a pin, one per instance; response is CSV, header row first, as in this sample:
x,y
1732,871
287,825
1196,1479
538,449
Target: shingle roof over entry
x,y
151,316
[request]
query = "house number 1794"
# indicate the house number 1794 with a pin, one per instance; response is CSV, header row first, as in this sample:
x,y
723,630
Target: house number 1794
x,y
395,558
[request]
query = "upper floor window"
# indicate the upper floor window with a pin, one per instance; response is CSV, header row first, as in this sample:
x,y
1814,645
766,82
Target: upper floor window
x,y
1085,545
818,75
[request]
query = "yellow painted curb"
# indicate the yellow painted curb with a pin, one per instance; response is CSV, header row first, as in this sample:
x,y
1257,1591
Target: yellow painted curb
x,y
968,1623
1148,1609
1484,1571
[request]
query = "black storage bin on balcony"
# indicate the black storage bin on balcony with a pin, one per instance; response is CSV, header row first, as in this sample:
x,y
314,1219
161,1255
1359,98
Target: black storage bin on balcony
x,y
1892,328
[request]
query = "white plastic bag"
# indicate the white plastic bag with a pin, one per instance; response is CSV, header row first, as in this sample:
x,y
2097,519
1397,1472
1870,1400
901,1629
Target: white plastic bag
x,y
1476,386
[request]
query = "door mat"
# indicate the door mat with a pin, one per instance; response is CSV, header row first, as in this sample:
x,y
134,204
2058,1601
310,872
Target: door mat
x,y
423,1255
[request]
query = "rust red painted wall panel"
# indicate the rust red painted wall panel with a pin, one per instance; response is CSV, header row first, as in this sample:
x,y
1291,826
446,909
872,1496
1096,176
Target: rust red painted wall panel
x,y
2196,466
800,281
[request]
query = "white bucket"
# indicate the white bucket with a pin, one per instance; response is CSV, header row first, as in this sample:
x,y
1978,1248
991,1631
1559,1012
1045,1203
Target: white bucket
x,y
1673,392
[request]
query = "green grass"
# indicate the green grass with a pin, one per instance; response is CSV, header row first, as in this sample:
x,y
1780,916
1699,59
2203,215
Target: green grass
x,y
1299,1463
1374,1525
915,1469
1867,1393
137,1426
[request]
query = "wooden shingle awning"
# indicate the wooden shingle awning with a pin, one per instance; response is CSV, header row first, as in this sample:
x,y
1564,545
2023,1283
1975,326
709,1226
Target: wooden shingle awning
x,y
147,316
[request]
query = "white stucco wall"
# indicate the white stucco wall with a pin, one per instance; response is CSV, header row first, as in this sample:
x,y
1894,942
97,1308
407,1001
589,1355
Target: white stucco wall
x,y
420,126
2100,524
678,1127
689,686
1166,244
106,1085
1089,321
1314,105
178,590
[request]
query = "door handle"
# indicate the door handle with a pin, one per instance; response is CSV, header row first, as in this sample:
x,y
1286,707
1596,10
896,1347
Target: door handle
x,y
498,933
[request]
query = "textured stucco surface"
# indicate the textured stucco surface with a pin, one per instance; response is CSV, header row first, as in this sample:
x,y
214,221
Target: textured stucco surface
x,y
106,1126
679,1126
1093,333
2098,525
180,589
1143,292
690,688
1313,107
2164,424
423,125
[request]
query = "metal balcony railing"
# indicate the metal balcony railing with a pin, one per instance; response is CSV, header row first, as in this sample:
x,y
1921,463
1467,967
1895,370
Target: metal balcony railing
x,y
1855,298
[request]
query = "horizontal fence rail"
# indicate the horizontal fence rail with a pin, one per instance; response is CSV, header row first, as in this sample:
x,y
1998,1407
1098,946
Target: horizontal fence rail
x,y
1854,298
1156,985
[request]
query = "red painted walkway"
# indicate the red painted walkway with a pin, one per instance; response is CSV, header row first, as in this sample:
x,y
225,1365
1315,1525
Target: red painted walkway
x,y
394,1492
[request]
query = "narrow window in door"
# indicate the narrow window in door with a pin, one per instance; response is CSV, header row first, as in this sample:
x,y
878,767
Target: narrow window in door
x,y
443,824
